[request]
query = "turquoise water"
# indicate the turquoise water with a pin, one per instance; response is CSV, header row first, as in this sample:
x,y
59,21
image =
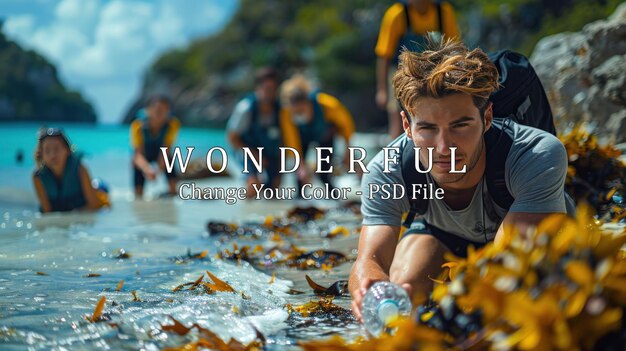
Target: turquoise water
x,y
43,312
106,150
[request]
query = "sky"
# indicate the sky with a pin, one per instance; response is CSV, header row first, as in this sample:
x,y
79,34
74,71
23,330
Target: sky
x,y
103,47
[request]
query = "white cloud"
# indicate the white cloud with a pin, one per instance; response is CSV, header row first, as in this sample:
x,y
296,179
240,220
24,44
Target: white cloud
x,y
103,47
19,27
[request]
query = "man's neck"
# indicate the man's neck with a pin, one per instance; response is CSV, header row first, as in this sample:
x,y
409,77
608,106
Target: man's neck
x,y
459,194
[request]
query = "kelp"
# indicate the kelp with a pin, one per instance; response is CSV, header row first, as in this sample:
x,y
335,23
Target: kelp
x,y
120,285
135,297
122,254
209,288
96,316
338,288
209,340
305,214
324,307
410,336
190,257
283,254
561,287
595,174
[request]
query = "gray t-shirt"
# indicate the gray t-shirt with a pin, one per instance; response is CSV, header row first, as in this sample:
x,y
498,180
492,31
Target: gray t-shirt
x,y
535,172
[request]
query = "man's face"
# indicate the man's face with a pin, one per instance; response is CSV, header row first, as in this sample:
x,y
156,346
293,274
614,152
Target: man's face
x,y
453,120
267,90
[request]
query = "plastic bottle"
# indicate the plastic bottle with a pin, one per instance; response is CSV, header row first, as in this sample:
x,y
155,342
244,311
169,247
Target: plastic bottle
x,y
382,303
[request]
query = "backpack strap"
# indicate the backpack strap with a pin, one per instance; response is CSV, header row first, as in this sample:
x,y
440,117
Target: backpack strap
x,y
406,17
411,176
498,144
408,20
439,17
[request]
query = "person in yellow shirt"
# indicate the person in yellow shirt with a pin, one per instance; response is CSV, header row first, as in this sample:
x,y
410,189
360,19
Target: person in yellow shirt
x,y
147,136
319,117
406,25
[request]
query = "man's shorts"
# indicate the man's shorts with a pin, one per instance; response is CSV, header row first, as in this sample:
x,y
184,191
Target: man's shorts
x,y
456,244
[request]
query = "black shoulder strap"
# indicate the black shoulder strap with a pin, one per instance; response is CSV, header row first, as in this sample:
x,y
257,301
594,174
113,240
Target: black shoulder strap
x,y
408,20
498,144
439,17
406,17
411,176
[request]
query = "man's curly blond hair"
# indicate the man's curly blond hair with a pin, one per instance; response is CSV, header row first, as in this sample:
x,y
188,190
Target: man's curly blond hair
x,y
444,68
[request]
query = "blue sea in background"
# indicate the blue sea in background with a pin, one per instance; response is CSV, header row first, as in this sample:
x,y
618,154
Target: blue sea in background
x,y
106,150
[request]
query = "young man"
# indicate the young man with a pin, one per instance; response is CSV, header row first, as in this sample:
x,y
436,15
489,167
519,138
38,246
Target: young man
x,y
445,94
406,24
147,136
259,121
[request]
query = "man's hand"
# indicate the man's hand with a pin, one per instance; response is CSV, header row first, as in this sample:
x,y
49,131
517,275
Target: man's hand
x,y
377,245
149,173
357,297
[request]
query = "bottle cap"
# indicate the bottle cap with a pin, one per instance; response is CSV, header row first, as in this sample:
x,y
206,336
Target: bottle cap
x,y
388,311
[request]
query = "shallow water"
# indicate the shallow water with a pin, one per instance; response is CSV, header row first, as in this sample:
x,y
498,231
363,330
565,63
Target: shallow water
x,y
48,311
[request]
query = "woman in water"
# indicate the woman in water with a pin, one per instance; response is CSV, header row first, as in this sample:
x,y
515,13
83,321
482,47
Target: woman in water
x,y
61,181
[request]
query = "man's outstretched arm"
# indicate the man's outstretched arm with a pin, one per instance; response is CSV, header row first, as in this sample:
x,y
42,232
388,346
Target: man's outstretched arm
x,y
377,245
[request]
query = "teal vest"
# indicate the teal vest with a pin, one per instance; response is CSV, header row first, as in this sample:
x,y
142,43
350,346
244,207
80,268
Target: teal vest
x,y
152,143
263,136
316,130
66,194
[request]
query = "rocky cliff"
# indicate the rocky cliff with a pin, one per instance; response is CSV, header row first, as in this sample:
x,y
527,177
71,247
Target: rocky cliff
x,y
584,74
332,41
30,89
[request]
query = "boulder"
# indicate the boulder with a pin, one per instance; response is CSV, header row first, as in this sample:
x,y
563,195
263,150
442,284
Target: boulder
x,y
584,75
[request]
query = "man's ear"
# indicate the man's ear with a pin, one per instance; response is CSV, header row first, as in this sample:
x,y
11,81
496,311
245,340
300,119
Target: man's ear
x,y
488,117
406,124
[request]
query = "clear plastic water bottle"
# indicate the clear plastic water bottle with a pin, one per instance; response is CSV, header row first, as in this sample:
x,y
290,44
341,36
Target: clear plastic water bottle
x,y
382,303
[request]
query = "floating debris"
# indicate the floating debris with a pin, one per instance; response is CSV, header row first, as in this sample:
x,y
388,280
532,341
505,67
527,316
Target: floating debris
x,y
119,285
190,257
135,298
219,285
409,336
209,340
333,233
315,259
305,214
41,273
322,308
272,279
91,275
338,288
122,254
97,312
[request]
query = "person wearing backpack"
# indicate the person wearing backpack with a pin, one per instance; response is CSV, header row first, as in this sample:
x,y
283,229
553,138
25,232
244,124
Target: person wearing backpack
x,y
319,117
258,120
514,172
406,24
